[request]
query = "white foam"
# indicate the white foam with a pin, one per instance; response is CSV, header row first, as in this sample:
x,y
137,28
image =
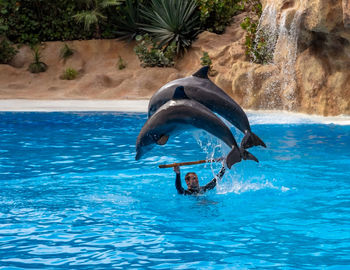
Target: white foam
x,y
239,186
283,117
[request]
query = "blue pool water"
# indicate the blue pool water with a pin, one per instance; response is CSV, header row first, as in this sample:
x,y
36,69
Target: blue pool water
x,y
72,196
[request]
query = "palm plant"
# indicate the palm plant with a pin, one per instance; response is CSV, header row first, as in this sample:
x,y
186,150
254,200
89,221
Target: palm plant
x,y
121,63
172,21
37,65
66,52
94,14
128,24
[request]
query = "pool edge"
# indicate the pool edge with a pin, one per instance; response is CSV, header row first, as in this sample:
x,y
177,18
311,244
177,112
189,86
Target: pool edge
x,y
141,106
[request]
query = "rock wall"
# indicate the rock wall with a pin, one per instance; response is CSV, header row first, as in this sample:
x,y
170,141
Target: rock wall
x,y
99,76
318,80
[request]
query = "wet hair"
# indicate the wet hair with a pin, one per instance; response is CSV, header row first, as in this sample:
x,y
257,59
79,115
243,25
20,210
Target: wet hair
x,y
187,176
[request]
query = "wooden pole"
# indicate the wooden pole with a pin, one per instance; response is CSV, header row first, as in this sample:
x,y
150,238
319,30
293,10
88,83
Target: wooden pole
x,y
189,163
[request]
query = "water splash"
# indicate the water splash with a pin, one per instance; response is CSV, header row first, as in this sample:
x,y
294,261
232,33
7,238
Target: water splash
x,y
231,183
239,186
213,147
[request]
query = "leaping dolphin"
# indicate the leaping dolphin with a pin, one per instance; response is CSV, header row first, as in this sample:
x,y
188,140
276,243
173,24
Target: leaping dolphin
x,y
200,88
181,114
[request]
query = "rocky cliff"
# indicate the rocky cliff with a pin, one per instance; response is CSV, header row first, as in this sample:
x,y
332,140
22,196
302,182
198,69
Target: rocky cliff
x,y
310,70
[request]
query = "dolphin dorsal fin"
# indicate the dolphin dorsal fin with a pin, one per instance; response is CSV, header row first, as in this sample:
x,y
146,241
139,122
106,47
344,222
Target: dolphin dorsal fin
x,y
179,93
202,73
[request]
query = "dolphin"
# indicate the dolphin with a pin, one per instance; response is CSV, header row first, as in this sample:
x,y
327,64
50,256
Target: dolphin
x,y
179,114
200,88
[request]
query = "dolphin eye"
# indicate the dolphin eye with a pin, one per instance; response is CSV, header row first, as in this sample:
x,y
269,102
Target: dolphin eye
x,y
155,137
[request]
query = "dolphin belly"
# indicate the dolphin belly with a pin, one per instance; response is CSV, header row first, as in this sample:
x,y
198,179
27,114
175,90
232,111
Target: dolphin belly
x,y
178,115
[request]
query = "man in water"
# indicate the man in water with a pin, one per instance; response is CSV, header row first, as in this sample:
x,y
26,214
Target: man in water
x,y
191,179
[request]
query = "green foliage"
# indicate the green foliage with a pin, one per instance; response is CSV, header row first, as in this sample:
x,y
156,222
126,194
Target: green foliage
x,y
66,52
5,8
254,5
121,63
251,5
69,74
37,66
168,22
7,51
172,21
205,60
250,26
256,46
94,14
216,14
151,55
129,19
33,21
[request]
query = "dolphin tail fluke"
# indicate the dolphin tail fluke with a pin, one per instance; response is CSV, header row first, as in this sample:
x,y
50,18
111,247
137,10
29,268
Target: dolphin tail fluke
x,y
251,139
233,157
248,156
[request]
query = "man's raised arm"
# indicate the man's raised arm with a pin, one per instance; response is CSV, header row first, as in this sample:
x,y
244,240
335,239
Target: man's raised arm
x,y
178,185
213,182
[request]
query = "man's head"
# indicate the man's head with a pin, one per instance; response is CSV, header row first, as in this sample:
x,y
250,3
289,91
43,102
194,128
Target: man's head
x,y
191,179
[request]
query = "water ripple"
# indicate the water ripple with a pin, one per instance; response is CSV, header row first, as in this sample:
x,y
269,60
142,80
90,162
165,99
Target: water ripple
x,y
73,196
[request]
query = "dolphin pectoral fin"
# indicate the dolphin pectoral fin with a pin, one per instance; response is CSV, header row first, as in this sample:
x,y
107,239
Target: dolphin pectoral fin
x,y
248,156
179,93
250,140
233,157
202,73
163,140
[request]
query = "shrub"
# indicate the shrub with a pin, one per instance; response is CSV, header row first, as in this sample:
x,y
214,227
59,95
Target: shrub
x,y
94,14
205,60
30,22
37,66
7,51
151,55
216,14
172,22
69,74
254,5
256,46
129,19
121,63
66,52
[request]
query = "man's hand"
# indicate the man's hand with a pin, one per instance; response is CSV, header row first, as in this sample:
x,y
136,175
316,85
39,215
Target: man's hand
x,y
177,169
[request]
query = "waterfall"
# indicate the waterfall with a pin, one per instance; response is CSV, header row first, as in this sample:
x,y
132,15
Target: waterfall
x,y
267,29
281,39
285,56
